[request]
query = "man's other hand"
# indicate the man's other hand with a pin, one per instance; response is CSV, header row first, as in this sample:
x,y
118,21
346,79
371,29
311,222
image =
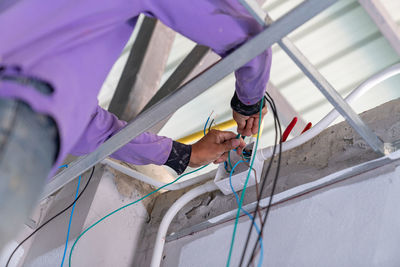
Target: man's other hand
x,y
248,125
214,147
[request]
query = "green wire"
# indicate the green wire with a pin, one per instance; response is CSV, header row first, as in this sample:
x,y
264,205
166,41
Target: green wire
x,y
123,207
244,189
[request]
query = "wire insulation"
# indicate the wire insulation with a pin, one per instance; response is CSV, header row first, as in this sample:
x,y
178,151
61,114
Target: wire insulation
x,y
123,207
49,220
263,184
247,213
70,220
244,187
275,182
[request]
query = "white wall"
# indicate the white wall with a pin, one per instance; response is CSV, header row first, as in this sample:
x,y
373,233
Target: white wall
x,y
353,223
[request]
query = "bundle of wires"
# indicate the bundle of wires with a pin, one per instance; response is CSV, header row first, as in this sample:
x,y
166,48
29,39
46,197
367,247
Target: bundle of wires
x,y
277,126
260,260
244,188
52,218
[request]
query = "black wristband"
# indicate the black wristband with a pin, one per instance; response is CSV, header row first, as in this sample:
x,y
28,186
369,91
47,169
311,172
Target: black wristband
x,y
243,109
179,157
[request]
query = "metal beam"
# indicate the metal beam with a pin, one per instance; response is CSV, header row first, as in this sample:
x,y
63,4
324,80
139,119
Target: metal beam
x,y
190,62
199,59
333,96
145,66
385,22
321,83
252,48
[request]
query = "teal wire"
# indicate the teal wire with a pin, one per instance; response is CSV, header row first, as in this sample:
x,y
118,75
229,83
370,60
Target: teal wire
x,y
260,260
70,221
123,207
205,125
244,189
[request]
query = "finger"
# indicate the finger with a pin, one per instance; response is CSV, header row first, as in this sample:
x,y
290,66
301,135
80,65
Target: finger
x,y
222,158
249,125
240,120
254,129
241,123
241,146
230,144
224,136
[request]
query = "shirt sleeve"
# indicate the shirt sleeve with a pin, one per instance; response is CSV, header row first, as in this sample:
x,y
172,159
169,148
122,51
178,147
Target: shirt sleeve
x,y
146,148
221,25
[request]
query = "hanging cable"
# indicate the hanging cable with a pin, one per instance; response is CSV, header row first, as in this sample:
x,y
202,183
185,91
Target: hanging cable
x,y
244,187
70,221
123,207
49,220
263,183
275,181
247,213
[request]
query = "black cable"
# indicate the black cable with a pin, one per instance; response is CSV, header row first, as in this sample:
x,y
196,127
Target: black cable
x,y
273,185
52,218
274,111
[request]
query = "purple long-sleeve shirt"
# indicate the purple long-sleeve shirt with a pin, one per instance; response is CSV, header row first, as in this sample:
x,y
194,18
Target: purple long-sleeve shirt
x,y
72,45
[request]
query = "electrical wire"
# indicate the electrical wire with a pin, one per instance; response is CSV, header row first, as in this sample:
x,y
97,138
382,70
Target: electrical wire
x,y
70,220
274,112
205,125
277,126
275,182
123,207
247,213
244,187
211,123
49,220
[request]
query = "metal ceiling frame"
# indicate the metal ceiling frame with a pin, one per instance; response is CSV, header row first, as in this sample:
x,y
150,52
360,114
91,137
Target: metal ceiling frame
x,y
385,23
275,32
321,83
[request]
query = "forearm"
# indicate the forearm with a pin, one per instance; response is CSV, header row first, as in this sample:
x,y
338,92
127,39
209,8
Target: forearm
x,y
147,148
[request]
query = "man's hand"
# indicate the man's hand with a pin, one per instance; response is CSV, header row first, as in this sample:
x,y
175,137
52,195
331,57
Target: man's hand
x,y
214,147
248,125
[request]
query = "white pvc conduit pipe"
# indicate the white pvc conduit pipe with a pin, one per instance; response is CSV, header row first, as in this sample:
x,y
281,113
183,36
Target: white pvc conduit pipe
x,y
265,153
173,210
141,177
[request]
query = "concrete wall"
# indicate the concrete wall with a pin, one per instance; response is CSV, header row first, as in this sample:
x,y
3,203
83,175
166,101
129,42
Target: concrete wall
x,y
352,223
110,243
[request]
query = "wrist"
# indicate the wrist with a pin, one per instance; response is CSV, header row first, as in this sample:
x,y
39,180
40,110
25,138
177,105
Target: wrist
x,y
195,159
179,157
245,110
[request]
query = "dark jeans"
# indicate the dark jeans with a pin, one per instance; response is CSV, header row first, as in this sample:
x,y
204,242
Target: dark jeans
x,y
28,147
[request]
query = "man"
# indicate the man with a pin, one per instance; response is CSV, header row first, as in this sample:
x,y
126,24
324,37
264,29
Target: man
x,y
54,56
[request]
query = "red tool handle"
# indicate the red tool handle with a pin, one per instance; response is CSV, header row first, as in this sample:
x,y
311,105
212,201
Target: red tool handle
x,y
290,127
308,127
